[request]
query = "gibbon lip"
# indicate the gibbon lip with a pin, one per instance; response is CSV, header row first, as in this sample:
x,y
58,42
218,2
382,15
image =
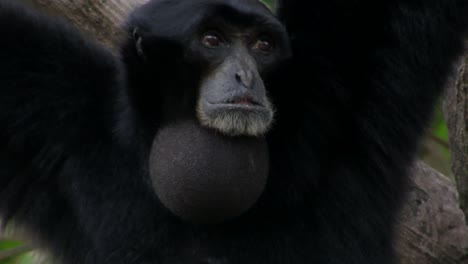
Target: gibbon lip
x,y
237,106
241,101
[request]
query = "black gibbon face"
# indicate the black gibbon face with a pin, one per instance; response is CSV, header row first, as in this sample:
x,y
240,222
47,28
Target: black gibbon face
x,y
208,60
234,47
232,97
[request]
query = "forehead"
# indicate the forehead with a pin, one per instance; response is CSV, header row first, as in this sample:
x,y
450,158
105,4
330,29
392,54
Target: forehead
x,y
179,20
242,13
237,12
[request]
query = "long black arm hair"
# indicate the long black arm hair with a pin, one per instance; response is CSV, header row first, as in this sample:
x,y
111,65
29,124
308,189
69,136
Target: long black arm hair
x,y
353,104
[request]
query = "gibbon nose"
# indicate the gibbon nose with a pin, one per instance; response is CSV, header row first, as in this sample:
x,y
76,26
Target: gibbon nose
x,y
246,78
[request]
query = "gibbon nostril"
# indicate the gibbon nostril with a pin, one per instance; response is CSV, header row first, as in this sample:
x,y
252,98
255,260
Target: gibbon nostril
x,y
239,77
245,78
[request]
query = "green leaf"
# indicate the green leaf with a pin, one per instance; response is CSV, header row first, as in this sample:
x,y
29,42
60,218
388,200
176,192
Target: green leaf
x,y
9,244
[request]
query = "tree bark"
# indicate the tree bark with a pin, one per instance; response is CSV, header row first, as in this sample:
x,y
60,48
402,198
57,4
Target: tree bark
x,y
432,228
456,114
101,19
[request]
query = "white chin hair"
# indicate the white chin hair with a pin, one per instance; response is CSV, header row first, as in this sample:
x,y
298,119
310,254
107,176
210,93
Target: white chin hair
x,y
237,123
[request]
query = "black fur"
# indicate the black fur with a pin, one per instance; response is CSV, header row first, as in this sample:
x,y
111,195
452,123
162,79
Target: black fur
x,y
352,105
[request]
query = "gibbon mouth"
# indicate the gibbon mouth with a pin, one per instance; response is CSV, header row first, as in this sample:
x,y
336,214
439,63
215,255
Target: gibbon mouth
x,y
241,101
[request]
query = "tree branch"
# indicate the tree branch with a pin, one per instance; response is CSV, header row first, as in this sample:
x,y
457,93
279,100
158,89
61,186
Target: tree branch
x,y
101,19
456,113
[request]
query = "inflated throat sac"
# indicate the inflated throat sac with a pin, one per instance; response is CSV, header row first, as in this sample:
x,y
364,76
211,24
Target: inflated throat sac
x,y
205,177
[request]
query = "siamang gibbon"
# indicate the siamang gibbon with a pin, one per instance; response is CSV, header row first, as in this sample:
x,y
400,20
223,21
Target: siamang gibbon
x,y
221,133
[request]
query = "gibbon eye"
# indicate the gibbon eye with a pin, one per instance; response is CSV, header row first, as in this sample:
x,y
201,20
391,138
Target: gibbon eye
x,y
212,40
264,45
